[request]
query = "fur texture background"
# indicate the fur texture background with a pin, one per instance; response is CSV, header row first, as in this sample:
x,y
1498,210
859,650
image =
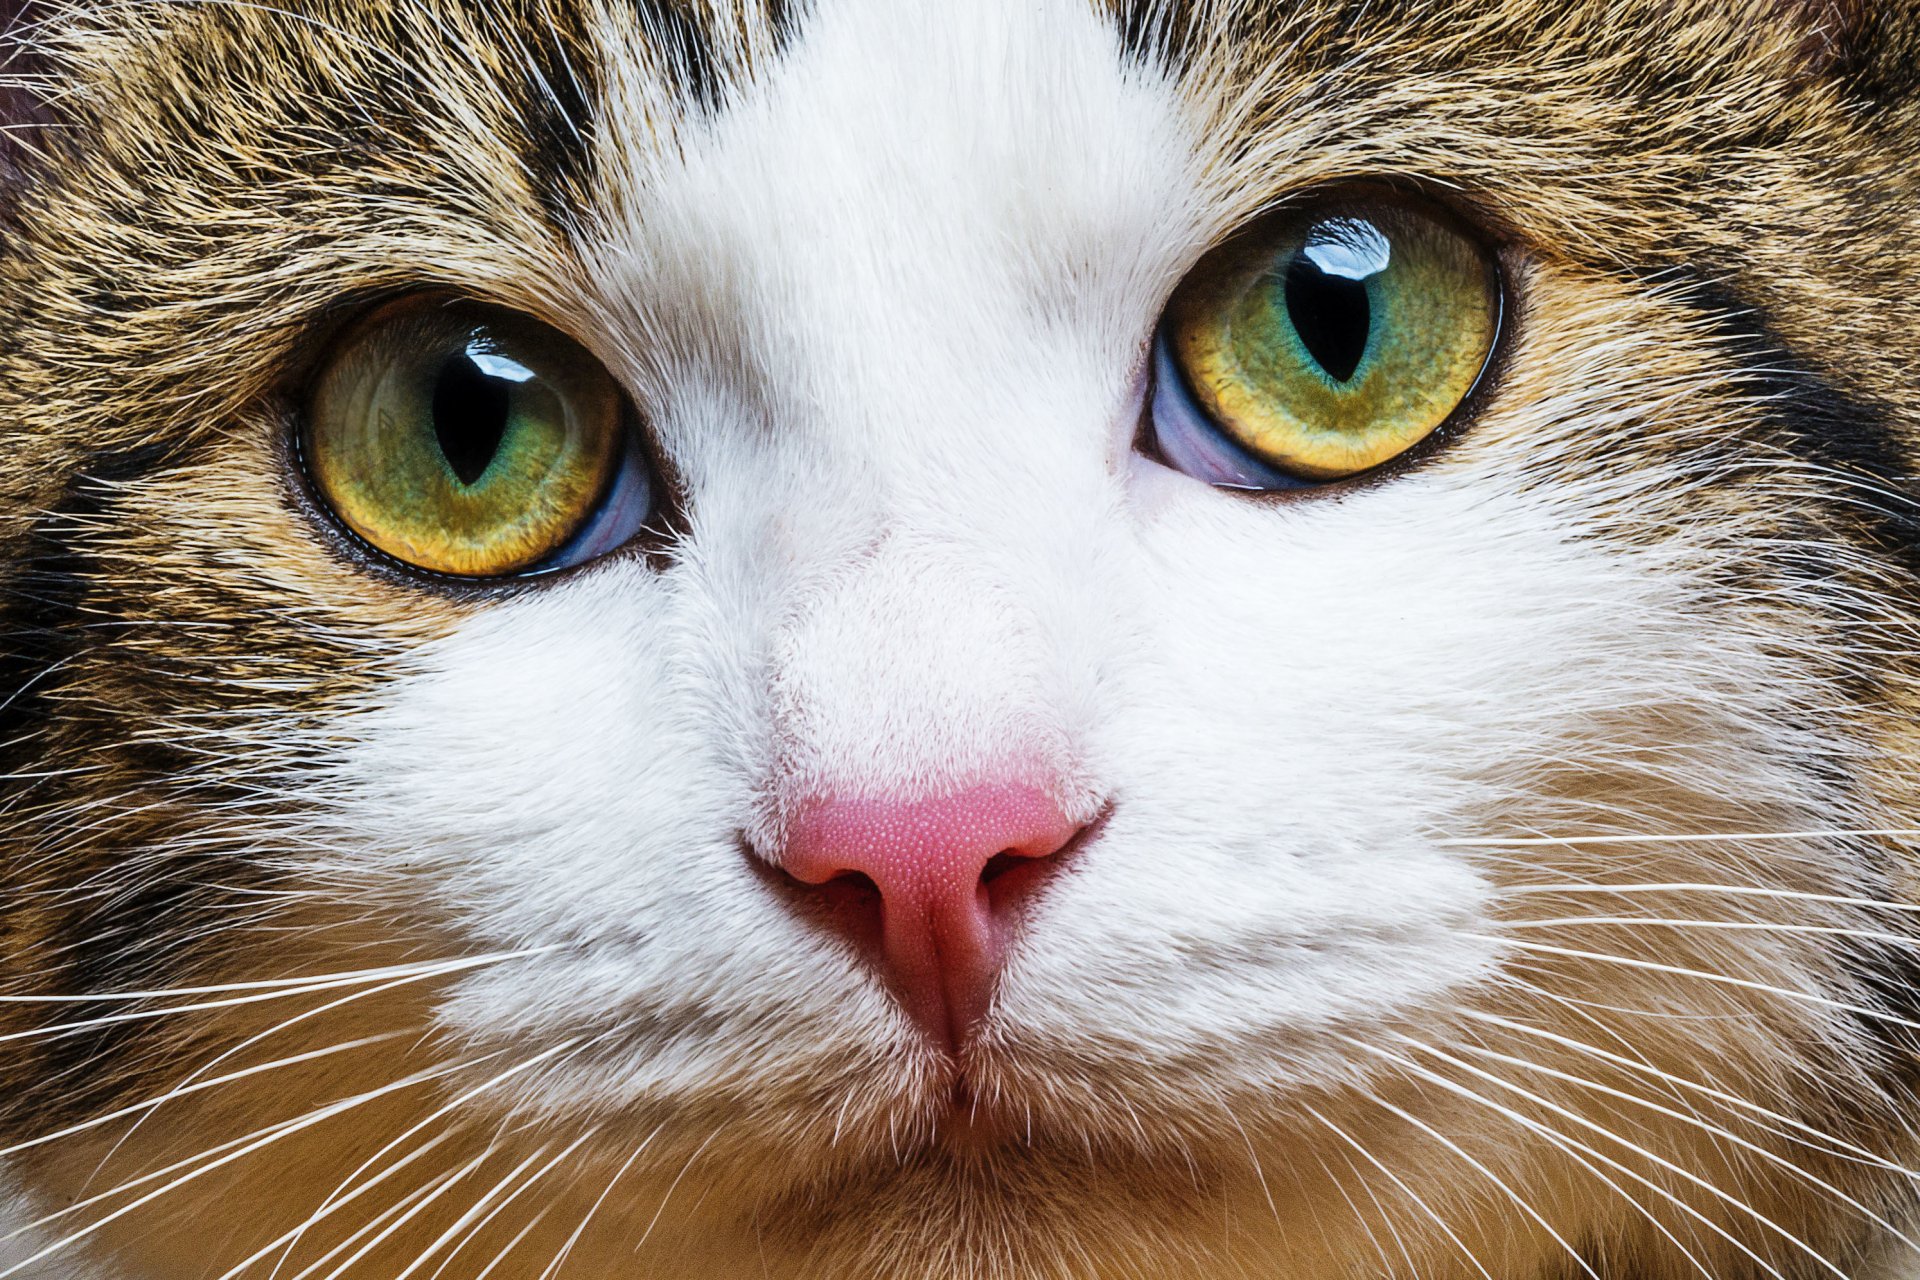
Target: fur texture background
x,y
1509,869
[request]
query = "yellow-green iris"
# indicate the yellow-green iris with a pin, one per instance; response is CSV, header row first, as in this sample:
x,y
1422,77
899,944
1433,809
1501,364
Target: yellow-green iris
x,y
463,438
1329,342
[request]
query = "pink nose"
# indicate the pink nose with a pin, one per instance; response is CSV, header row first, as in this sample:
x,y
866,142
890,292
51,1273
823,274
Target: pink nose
x,y
948,873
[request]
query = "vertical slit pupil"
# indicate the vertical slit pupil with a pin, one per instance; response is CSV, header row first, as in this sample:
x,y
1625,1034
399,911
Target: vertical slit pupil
x,y
469,417
1331,314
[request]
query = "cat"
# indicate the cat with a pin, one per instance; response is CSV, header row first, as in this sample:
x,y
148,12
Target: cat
x,y
959,638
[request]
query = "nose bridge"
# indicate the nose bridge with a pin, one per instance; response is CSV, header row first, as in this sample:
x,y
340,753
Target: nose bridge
x,y
910,671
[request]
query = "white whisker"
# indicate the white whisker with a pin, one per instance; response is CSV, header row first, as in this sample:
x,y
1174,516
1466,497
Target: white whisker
x,y
1706,975
480,1204
1651,1157
1579,1151
312,1055
1518,1200
514,1195
392,1170
446,1109
280,990
1733,926
671,1188
1718,837
1718,1131
269,1135
566,1247
1829,1143
1740,890
1409,1192
533,1224
446,1184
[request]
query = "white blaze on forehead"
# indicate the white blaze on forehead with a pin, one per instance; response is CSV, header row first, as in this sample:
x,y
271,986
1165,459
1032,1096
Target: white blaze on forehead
x,y
887,307
910,221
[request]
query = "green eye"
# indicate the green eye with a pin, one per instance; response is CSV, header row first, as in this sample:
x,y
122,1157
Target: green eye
x,y
1331,341
465,439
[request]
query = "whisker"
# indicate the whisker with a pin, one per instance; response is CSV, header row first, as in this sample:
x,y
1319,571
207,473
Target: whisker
x,y
1705,975
1718,837
392,1170
533,1224
1838,1147
187,1085
251,1143
313,981
1735,926
672,1187
1386,1219
1519,1201
517,1192
1515,971
566,1247
1738,890
1702,1124
1409,1192
1373,1238
480,1204
327,1205
1578,1151
1253,1157
1687,1175
432,1186
452,1180
279,993
1677,1089
122,1113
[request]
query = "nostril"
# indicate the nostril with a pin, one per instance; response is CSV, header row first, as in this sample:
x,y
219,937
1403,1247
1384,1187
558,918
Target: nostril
x,y
847,905
1010,879
850,904
1001,863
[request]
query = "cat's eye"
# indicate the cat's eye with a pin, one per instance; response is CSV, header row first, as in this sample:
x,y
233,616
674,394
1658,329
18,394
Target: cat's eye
x,y
1324,342
474,441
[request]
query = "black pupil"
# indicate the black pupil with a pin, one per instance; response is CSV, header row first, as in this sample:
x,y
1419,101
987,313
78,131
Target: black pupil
x,y
470,409
1331,315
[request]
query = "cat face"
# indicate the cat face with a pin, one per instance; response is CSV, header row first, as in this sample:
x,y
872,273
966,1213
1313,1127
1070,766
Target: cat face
x,y
934,826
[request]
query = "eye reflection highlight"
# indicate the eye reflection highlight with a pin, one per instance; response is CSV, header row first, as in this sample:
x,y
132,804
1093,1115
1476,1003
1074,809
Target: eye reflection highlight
x,y
1348,247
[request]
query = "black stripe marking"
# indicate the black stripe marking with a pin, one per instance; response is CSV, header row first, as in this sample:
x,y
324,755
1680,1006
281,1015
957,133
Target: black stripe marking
x,y
561,100
100,896
1155,32
684,49
1805,412
563,97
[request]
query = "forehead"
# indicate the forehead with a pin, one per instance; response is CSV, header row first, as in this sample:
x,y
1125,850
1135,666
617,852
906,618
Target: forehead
x,y
939,125
848,185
